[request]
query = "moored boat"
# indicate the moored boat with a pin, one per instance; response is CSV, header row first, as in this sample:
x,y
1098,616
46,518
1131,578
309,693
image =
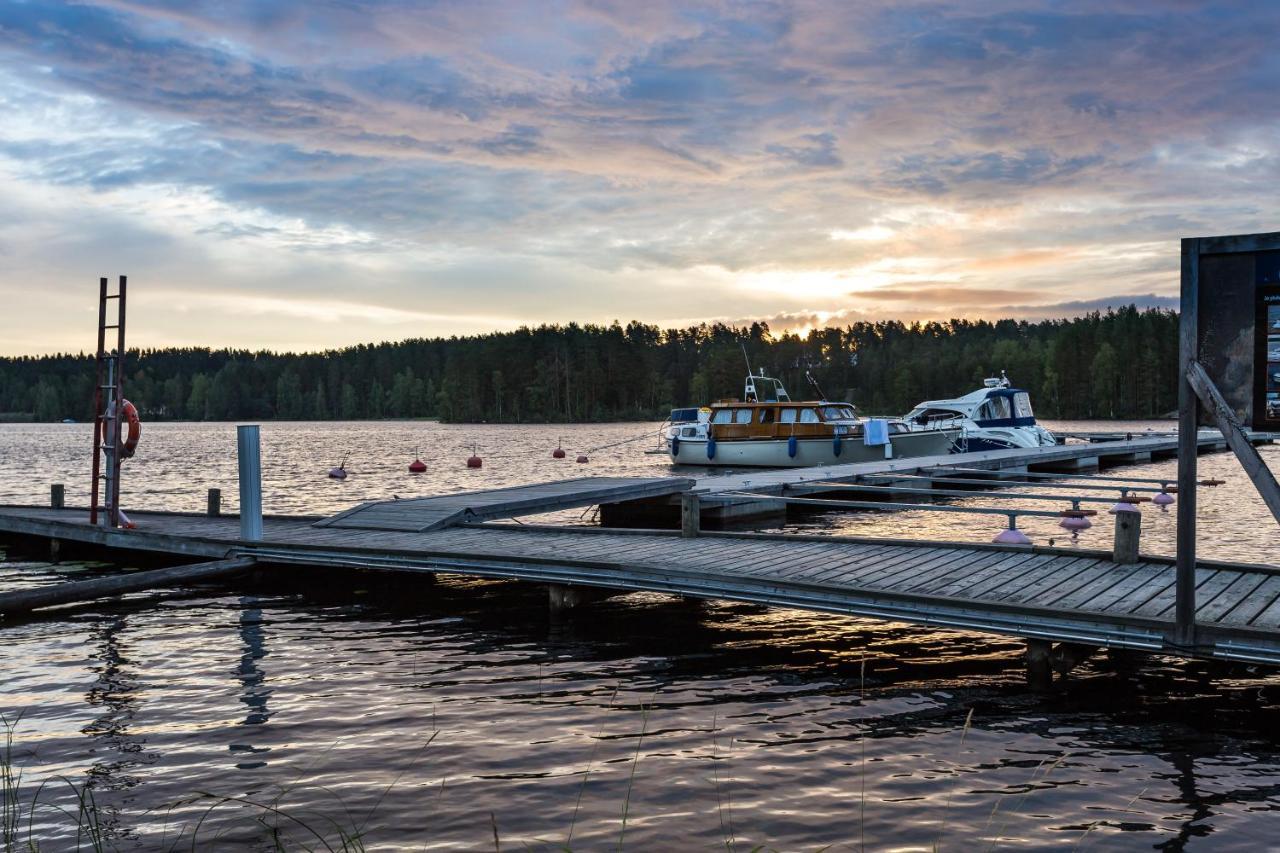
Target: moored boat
x,y
768,429
997,416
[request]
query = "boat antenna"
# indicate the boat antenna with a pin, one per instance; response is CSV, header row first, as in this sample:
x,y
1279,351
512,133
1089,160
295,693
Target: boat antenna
x,y
814,383
745,357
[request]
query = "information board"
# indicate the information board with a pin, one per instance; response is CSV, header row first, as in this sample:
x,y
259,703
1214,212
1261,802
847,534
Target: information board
x,y
1267,334
1237,304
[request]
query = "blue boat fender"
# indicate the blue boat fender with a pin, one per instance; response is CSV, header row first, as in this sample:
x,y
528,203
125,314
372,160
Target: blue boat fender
x,y
836,446
675,445
792,447
711,448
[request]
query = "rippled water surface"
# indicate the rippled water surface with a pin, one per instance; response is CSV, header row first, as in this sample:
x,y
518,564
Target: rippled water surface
x,y
439,716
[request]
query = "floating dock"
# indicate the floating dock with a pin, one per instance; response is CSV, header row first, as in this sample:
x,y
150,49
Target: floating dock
x,y
721,499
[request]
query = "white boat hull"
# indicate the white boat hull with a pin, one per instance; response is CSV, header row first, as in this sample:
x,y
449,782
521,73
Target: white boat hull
x,y
775,453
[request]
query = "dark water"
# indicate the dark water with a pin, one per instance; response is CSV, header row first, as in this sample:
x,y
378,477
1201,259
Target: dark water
x,y
435,716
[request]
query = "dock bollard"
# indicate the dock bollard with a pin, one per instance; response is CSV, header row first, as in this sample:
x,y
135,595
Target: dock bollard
x,y
1128,532
215,503
57,496
690,515
250,465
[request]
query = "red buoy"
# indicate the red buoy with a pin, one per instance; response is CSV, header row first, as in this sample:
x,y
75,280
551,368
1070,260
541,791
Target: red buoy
x,y
474,460
338,473
417,466
558,453
583,459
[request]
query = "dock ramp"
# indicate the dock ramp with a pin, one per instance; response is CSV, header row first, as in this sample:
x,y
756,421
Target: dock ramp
x,y
438,511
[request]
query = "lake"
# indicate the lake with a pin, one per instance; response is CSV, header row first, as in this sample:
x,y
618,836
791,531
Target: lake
x,y
440,716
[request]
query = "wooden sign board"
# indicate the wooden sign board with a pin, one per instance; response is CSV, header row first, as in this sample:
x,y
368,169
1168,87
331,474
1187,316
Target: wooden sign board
x,y
1233,283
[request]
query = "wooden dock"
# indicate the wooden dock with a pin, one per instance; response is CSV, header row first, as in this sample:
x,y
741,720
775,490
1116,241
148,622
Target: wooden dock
x,y
1078,599
1044,595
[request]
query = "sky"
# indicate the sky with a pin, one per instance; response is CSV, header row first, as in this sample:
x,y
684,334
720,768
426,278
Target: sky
x,y
305,175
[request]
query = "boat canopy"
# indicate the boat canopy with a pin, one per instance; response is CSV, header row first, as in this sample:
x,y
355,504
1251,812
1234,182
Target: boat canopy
x,y
998,406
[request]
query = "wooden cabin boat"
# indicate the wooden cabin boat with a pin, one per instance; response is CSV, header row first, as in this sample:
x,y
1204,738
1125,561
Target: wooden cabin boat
x,y
769,429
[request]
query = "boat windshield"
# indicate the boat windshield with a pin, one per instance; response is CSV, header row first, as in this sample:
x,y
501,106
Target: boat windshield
x,y
925,415
838,413
683,416
1022,405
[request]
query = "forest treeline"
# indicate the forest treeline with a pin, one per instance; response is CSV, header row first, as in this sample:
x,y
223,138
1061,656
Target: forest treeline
x,y
1121,364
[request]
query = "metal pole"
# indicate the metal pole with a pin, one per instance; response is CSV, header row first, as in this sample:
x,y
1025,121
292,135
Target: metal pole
x,y
1188,352
111,446
119,402
250,465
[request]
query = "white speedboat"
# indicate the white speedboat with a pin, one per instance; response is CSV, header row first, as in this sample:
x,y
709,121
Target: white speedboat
x,y
767,429
995,417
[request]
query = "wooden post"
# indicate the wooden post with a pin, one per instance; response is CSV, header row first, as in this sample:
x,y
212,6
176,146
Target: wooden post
x,y
1188,424
250,464
57,496
1235,436
215,503
690,515
1039,664
564,597
76,591
1128,532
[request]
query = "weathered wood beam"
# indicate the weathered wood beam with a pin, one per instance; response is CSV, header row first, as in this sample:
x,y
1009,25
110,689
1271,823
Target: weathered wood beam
x,y
1237,439
77,591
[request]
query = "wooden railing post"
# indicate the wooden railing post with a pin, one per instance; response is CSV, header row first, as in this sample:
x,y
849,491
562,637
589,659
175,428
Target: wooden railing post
x,y
57,496
215,503
690,515
1128,532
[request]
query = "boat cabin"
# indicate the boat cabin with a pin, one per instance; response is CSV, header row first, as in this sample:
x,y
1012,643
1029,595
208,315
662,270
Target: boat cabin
x,y
994,405
745,421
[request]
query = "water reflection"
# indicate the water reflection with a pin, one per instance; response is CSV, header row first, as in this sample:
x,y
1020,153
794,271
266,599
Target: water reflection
x,y
254,692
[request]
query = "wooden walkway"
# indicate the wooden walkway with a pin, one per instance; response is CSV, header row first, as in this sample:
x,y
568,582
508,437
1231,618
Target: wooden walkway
x,y
1055,595
439,511
1067,455
718,498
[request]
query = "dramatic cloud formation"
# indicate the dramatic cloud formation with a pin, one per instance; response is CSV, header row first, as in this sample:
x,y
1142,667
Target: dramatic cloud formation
x,y
287,174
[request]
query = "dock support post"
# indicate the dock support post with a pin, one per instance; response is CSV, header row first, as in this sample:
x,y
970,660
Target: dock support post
x,y
690,515
57,500
1188,440
215,503
1039,664
1128,532
250,465
563,597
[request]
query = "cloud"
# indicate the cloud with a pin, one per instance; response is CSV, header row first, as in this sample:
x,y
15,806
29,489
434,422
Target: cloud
x,y
661,161
943,296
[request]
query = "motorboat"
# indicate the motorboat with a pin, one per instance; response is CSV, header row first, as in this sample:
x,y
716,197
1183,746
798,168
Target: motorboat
x,y
997,416
768,429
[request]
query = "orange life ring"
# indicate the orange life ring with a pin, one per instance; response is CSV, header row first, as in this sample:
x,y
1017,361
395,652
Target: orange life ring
x,y
129,443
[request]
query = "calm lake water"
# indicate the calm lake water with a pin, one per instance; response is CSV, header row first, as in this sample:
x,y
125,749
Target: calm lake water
x,y
437,717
